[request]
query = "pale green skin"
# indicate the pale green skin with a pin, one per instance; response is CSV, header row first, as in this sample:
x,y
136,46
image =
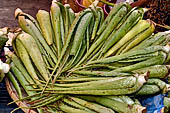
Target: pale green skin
x,y
161,84
22,80
34,53
101,73
125,99
131,54
93,106
47,101
15,84
55,19
113,104
112,14
139,38
156,71
21,67
98,17
110,83
166,104
69,109
148,90
29,27
65,51
75,104
104,35
43,18
79,34
134,17
138,28
26,60
157,39
117,86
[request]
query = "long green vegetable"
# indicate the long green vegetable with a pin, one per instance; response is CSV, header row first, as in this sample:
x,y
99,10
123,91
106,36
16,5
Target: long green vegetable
x,y
22,80
111,26
15,83
21,67
43,18
134,17
85,63
138,28
115,105
29,43
81,28
23,54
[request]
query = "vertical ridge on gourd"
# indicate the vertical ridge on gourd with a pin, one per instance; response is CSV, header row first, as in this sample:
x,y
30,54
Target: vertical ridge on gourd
x,y
139,38
69,38
71,15
79,34
15,83
55,18
110,16
43,18
29,27
22,80
98,17
136,53
140,27
113,22
29,43
66,19
62,19
133,18
25,58
21,67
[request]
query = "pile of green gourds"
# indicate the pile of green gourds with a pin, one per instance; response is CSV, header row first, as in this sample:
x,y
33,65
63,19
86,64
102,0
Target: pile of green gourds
x,y
85,63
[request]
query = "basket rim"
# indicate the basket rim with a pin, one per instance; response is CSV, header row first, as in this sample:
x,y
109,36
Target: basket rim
x,y
13,94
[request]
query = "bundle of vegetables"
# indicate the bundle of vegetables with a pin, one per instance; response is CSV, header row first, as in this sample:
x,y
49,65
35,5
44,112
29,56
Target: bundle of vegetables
x,y
84,63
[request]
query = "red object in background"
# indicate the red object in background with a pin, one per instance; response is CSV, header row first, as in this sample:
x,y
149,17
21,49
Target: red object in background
x,y
107,8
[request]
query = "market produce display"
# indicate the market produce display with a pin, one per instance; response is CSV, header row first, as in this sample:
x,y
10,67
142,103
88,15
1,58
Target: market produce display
x,y
85,63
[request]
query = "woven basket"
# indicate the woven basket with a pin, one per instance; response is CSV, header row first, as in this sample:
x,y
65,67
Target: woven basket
x,y
12,92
